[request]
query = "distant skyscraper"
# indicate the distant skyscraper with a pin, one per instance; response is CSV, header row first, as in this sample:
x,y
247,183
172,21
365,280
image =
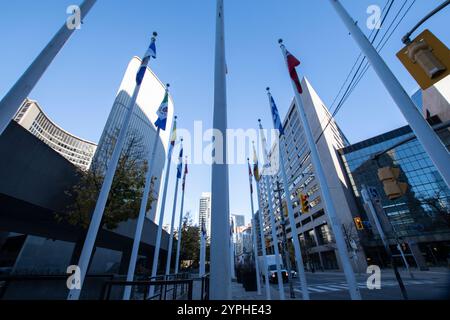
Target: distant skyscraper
x,y
76,150
205,212
239,220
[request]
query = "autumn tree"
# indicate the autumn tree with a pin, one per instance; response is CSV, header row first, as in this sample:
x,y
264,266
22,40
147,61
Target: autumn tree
x,y
190,241
126,191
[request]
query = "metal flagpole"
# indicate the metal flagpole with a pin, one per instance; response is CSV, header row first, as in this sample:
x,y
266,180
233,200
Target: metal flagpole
x,y
177,260
141,218
294,231
91,236
143,208
425,134
262,238
232,256
220,282
273,225
174,209
202,253
12,101
162,209
325,190
255,244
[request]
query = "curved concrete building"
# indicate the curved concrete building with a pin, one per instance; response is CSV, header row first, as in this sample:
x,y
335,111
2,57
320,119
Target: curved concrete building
x,y
78,151
142,128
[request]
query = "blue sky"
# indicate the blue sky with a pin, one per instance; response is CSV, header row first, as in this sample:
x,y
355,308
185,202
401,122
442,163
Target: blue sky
x,y
79,88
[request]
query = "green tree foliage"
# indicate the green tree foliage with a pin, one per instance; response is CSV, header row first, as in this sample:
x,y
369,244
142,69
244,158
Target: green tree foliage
x,y
190,241
126,191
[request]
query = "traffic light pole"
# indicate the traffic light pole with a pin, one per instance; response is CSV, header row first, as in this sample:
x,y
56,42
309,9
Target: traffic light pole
x,y
284,246
425,134
368,201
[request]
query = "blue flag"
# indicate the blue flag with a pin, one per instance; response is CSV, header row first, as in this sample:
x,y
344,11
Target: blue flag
x,y
180,164
151,52
276,117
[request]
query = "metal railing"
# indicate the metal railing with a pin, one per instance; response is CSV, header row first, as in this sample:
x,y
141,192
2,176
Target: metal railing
x,y
170,287
106,287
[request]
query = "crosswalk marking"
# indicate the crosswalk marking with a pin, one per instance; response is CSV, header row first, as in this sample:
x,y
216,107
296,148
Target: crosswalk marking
x,y
342,286
315,289
339,286
328,288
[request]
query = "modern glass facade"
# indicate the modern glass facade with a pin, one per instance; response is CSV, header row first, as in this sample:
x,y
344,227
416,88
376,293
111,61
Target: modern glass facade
x,y
423,212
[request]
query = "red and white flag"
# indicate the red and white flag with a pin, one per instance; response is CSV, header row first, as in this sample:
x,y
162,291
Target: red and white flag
x,y
293,62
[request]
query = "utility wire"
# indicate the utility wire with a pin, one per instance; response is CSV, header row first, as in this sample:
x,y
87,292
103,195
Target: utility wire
x,y
353,83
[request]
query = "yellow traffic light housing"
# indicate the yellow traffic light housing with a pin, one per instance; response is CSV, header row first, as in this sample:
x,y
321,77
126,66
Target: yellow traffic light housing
x,y
358,223
392,188
285,209
426,58
304,202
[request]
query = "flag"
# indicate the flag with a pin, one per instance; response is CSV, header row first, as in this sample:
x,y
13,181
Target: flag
x,y
162,112
293,62
151,52
276,116
180,164
250,178
184,176
173,138
255,165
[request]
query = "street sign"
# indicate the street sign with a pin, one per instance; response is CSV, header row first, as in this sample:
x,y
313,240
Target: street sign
x,y
426,58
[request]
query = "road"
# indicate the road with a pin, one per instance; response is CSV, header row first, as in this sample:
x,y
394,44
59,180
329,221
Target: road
x,y
425,285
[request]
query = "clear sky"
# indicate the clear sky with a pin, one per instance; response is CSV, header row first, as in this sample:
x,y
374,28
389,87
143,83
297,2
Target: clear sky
x,y
79,88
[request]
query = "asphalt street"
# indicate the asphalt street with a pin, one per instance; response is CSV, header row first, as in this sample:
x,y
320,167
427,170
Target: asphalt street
x,y
425,285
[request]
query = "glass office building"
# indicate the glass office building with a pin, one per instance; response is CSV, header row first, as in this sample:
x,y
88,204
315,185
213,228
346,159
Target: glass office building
x,y
422,214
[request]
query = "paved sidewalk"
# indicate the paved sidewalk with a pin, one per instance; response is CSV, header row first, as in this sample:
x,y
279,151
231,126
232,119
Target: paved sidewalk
x,y
238,293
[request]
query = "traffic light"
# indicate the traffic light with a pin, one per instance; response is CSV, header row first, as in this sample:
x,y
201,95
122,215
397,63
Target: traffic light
x,y
426,58
285,209
304,202
358,223
392,188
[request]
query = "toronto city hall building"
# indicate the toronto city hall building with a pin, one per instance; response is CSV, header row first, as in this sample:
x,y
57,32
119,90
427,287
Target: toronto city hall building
x,y
38,172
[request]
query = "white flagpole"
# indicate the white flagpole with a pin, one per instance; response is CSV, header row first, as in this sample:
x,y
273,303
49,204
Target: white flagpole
x,y
12,101
325,190
255,244
232,256
141,219
161,213
202,255
294,231
91,236
142,211
177,260
429,140
273,225
220,282
263,244
174,209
